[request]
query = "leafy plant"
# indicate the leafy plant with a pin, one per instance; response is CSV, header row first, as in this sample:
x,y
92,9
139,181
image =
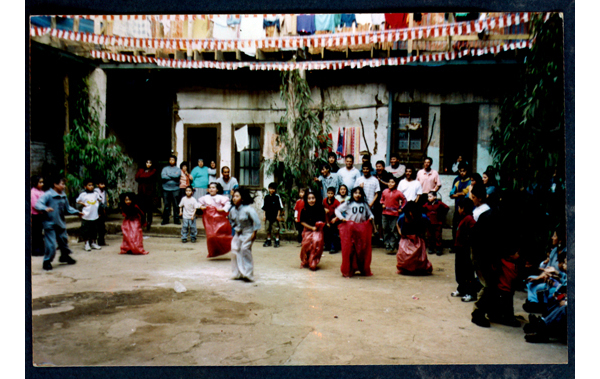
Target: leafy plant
x,y
528,141
89,155
303,135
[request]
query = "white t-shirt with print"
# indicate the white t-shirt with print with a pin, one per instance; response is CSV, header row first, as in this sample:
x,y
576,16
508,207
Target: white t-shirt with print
x,y
91,202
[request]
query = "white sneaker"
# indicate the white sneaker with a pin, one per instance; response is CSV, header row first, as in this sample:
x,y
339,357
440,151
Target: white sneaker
x,y
87,246
95,246
467,298
456,294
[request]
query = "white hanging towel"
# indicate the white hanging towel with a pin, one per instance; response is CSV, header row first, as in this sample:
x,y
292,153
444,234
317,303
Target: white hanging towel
x,y
242,140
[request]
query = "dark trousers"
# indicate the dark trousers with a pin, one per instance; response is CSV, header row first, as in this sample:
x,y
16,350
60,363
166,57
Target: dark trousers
x,y
299,229
332,237
171,202
464,271
504,305
101,224
456,219
434,237
89,230
147,206
488,295
37,235
52,237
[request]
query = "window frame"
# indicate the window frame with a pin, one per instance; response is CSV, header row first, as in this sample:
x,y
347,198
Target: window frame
x,y
235,169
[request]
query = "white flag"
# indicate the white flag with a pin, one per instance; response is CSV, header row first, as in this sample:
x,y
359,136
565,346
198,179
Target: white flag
x,y
242,140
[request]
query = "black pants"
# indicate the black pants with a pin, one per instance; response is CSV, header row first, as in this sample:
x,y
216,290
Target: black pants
x,y
89,230
456,219
332,237
101,224
171,199
488,295
464,271
147,206
299,229
37,235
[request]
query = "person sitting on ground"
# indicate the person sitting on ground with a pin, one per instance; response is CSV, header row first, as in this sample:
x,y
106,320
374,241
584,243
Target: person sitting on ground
x,y
412,253
436,211
54,204
541,288
273,208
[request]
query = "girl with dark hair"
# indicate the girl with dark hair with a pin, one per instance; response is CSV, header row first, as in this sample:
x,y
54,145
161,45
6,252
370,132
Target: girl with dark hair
x,y
463,267
342,194
37,228
355,233
214,218
412,252
132,225
313,221
185,179
245,223
146,178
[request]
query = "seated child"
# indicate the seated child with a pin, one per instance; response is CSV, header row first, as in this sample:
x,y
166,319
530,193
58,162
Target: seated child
x,y
332,239
89,222
133,239
436,211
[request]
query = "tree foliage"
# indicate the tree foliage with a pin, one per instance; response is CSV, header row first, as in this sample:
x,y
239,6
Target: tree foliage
x,y
89,155
528,142
303,135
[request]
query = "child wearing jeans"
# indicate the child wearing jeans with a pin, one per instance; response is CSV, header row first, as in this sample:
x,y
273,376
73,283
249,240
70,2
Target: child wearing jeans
x,y
89,222
187,209
53,203
272,206
393,201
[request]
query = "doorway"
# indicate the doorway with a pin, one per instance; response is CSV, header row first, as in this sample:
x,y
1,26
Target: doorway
x,y
459,130
202,142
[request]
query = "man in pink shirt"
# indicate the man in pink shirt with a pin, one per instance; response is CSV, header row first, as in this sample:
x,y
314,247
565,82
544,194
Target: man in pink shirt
x,y
429,179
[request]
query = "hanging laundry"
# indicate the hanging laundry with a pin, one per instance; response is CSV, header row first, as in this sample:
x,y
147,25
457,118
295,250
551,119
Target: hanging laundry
x,y
233,20
378,18
325,22
347,20
272,21
305,24
288,25
352,141
252,28
200,28
222,31
340,143
396,20
363,18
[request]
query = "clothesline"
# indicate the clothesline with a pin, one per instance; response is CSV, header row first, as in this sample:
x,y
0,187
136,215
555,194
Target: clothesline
x,y
320,40
310,65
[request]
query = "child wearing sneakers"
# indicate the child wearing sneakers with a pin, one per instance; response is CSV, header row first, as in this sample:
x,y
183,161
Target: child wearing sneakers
x,y
272,206
187,209
89,221
463,267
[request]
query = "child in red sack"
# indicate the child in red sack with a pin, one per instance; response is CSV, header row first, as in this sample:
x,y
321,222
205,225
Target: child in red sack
x,y
332,238
436,211
132,225
355,234
313,220
412,254
298,211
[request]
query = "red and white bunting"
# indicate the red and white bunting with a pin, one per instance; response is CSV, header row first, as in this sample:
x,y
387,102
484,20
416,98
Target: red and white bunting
x,y
311,65
324,40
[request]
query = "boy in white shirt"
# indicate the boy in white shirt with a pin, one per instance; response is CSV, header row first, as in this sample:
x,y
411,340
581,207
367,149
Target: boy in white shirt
x,y
89,221
410,187
187,209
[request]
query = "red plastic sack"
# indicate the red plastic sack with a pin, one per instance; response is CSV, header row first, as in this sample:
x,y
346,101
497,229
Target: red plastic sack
x,y
312,246
133,239
218,232
356,248
412,256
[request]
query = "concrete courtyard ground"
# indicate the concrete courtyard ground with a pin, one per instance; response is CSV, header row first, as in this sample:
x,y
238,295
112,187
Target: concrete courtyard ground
x,y
122,310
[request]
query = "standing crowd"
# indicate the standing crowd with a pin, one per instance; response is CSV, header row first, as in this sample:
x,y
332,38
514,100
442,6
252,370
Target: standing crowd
x,y
395,207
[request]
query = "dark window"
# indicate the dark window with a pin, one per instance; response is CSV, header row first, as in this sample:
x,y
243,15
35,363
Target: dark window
x,y
248,161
